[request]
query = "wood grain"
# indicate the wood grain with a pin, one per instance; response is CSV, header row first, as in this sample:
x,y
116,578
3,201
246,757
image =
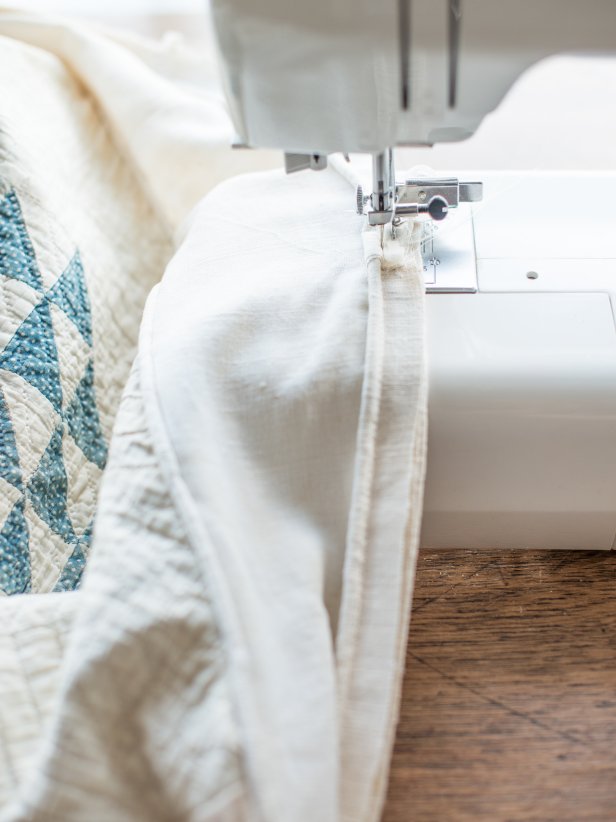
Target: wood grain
x,y
509,699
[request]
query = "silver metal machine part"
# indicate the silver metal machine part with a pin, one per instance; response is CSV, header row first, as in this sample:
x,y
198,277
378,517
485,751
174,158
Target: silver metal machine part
x,y
449,264
433,197
449,259
301,162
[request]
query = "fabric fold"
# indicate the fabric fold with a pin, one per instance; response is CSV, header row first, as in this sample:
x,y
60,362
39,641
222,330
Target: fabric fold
x,y
163,103
385,519
238,643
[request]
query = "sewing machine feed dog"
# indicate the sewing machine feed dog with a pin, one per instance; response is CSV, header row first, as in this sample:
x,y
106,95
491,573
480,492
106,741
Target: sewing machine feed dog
x,y
522,337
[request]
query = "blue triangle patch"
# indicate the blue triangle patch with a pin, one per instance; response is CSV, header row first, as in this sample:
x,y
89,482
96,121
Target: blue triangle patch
x,y
9,458
48,489
83,421
17,257
32,354
14,552
70,294
72,572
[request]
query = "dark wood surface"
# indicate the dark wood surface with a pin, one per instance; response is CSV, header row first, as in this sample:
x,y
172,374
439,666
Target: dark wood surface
x,y
509,699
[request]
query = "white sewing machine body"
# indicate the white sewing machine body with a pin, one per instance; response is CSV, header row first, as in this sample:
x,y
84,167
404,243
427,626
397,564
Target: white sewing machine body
x,y
361,76
522,413
521,287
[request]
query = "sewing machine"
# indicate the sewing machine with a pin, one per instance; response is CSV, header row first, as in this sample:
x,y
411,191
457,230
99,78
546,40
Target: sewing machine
x,y
522,291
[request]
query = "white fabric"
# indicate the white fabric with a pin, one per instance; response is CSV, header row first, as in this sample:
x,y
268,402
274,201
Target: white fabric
x,y
144,728
282,320
33,635
239,641
74,191
162,103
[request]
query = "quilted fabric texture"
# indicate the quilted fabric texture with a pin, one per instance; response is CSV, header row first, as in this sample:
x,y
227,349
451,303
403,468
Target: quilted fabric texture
x,y
33,639
79,250
33,473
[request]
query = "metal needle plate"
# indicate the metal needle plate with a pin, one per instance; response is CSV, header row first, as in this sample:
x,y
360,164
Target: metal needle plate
x,y
448,250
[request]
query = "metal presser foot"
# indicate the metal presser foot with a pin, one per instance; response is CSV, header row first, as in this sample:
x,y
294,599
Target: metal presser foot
x,y
433,197
449,256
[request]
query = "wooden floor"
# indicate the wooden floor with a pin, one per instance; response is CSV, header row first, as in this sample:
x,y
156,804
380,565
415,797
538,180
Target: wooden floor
x,y
509,701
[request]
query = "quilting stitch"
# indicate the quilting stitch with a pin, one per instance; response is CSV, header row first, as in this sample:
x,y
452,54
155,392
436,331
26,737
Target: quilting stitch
x,y
32,355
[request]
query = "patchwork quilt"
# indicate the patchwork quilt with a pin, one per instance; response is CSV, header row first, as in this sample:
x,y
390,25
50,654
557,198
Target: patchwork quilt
x,y
47,410
79,250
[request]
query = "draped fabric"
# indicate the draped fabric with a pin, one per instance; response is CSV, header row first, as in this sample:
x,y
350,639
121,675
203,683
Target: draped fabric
x,y
237,646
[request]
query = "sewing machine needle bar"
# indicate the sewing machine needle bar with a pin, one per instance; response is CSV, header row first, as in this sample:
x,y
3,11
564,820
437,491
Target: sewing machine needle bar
x,y
455,14
404,29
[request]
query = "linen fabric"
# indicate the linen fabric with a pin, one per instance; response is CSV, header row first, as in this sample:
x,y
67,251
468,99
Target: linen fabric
x,y
238,642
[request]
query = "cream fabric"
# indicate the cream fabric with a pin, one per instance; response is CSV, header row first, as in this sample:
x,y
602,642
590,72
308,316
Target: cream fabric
x,y
162,103
33,637
87,231
144,727
320,459
239,639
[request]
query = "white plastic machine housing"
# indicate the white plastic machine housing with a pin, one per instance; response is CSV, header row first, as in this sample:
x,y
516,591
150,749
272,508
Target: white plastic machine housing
x,y
522,414
363,75
522,418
